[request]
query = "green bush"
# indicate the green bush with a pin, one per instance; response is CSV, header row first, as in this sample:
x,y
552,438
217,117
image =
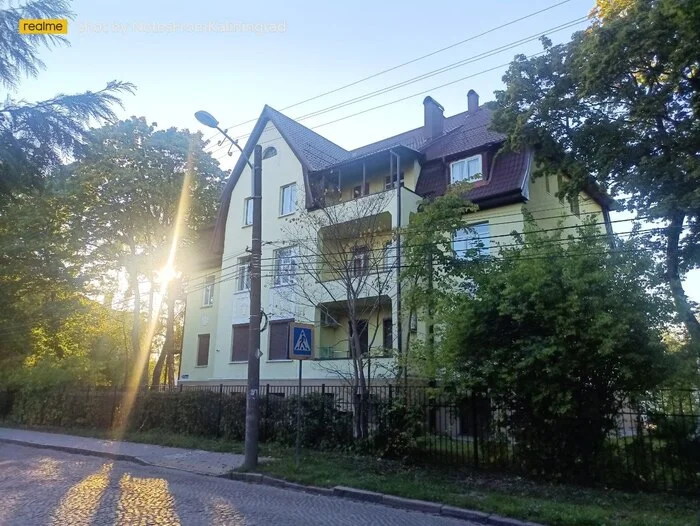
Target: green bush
x,y
398,426
323,425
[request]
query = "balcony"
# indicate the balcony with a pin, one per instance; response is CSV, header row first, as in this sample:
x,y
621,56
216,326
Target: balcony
x,y
346,206
375,327
336,353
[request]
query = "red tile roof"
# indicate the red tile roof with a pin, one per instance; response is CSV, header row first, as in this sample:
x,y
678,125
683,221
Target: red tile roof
x,y
464,133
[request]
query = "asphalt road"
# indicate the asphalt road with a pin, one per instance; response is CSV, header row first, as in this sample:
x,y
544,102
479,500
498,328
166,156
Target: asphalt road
x,y
42,487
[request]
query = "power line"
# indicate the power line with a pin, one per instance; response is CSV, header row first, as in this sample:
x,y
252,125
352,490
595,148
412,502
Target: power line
x,y
412,80
400,99
287,242
236,275
238,270
412,61
448,67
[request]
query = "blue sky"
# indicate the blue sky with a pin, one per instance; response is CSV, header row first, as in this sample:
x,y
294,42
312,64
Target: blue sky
x,y
318,47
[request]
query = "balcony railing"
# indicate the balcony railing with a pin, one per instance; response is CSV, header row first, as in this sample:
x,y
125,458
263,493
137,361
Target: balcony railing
x,y
334,353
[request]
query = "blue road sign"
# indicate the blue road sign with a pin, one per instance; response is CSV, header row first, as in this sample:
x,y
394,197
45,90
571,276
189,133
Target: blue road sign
x,y
302,342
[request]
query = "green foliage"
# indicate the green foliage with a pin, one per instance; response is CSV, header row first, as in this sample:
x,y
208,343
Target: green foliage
x,y
399,425
52,333
621,103
428,244
36,137
542,503
126,188
431,271
557,331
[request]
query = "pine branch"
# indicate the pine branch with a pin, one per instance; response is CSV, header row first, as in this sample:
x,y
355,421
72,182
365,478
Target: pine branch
x,y
19,53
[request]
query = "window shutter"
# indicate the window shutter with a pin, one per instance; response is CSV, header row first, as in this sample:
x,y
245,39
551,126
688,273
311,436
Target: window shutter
x,y
239,353
279,340
203,350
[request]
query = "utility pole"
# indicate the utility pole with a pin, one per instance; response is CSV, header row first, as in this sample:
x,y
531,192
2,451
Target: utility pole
x,y
252,411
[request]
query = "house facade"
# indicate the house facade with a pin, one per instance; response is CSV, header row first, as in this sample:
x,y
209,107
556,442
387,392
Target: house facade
x,y
335,197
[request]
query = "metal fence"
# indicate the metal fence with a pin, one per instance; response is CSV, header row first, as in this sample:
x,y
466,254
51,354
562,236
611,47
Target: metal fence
x,y
652,443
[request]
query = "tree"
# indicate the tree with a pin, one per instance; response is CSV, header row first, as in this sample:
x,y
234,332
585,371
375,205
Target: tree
x,y
431,272
559,332
36,137
51,331
138,194
620,103
344,267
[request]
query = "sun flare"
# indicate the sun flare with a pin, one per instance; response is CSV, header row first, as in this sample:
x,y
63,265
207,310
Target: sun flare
x,y
165,275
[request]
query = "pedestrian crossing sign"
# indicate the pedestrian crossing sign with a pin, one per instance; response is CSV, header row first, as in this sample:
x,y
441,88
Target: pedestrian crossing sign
x,y
301,341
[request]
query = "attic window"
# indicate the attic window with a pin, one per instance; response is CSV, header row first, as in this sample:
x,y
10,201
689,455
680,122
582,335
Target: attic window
x,y
468,169
270,151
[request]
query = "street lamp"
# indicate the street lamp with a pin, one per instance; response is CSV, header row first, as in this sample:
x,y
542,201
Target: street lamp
x,y
206,118
252,413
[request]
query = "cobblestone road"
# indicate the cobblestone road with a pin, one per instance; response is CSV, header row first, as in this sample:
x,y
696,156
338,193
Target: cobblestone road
x,y
42,487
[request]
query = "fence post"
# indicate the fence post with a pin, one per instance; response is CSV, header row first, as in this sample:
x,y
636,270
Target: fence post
x,y
476,431
323,406
218,416
266,427
391,396
180,387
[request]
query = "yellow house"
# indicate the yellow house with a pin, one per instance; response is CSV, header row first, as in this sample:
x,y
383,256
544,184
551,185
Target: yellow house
x,y
330,218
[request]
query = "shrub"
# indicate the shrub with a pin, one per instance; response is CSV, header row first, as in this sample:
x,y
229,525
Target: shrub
x,y
398,425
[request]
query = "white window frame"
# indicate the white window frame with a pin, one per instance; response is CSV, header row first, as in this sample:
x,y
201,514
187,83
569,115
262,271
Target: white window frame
x,y
389,255
476,176
362,255
468,239
208,295
243,281
286,265
292,201
248,211
575,206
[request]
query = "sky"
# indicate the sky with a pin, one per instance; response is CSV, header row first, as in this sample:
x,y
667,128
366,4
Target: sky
x,y
231,58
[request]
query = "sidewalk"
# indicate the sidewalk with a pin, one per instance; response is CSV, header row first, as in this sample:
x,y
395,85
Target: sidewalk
x,y
194,461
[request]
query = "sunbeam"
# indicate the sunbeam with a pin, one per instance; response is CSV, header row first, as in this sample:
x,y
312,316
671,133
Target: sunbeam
x,y
165,275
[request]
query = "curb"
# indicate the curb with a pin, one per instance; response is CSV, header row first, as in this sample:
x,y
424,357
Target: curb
x,y
78,451
422,506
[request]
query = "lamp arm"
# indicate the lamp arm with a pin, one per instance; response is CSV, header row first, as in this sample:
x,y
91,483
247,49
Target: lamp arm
x,y
235,143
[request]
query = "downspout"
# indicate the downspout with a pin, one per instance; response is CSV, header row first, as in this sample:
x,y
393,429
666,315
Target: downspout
x,y
364,179
399,326
608,226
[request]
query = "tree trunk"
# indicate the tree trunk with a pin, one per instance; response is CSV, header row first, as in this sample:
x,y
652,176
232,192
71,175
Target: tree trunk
x,y
158,369
166,352
170,367
139,375
685,312
361,421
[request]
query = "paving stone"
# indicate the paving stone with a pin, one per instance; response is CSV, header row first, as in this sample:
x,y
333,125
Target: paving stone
x,y
46,487
497,520
461,513
207,462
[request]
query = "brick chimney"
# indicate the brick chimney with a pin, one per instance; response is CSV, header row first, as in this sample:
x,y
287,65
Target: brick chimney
x,y
433,118
472,101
